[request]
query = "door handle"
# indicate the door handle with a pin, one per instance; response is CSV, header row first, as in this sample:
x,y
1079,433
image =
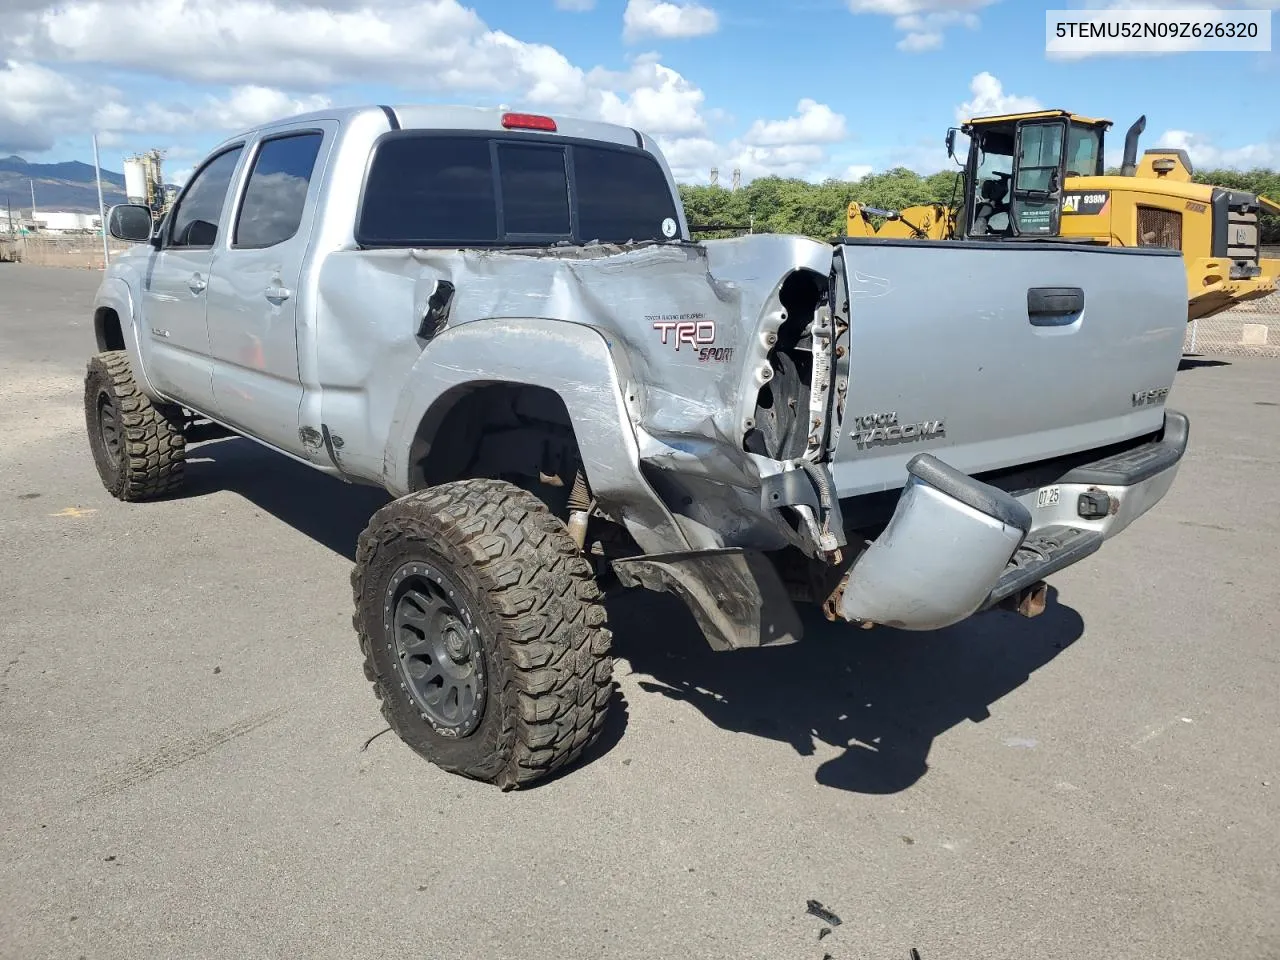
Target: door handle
x,y
277,294
1054,306
197,283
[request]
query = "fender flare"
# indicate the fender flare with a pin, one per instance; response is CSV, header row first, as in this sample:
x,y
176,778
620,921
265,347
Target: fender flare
x,y
116,294
573,360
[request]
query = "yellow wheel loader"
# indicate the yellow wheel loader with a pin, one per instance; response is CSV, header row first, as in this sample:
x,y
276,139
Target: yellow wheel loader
x,y
1039,176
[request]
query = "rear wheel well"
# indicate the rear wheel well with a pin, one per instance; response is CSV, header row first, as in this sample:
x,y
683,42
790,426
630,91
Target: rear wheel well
x,y
500,431
522,434
107,329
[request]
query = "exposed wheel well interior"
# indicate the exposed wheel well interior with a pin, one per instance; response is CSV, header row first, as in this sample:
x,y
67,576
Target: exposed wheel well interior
x,y
501,431
782,408
106,328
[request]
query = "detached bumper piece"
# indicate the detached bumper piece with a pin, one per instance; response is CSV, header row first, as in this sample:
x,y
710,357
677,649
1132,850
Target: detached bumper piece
x,y
949,540
735,595
956,546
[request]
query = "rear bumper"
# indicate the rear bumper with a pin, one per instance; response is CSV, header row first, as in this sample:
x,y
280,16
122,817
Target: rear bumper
x,y
956,546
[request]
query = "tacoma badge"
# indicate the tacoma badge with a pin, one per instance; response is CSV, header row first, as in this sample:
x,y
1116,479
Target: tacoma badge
x,y
881,428
1142,398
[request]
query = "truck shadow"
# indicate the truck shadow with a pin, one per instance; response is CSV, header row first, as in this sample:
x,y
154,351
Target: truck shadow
x,y
330,512
879,696
1194,361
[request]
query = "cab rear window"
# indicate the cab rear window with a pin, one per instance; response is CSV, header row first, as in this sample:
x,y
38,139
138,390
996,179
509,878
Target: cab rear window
x,y
431,190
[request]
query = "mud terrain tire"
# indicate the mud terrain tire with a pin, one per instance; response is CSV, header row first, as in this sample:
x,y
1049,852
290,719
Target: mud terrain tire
x,y
520,683
138,447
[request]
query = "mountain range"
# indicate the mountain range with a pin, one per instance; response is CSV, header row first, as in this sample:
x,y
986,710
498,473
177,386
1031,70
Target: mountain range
x,y
58,186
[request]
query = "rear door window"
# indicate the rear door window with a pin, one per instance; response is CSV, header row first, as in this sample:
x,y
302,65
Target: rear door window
x,y
276,194
443,190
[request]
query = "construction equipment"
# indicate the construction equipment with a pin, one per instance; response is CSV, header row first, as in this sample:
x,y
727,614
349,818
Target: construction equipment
x,y
1040,176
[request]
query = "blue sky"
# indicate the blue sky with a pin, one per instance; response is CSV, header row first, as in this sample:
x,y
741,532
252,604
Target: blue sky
x,y
826,88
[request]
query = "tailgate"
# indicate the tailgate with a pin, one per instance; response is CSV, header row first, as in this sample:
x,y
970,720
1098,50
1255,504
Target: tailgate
x,y
990,355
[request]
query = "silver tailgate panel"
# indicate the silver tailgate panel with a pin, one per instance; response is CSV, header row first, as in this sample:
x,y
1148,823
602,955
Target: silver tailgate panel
x,y
940,331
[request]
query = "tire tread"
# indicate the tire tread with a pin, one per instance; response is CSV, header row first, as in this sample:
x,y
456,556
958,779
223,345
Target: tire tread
x,y
154,445
554,642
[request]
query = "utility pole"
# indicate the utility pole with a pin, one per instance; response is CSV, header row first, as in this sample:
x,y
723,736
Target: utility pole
x,y
102,212
33,200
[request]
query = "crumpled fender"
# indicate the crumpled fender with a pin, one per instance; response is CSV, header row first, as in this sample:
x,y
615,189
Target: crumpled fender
x,y
576,362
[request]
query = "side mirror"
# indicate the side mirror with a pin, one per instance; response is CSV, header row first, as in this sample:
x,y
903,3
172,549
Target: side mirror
x,y
951,143
130,221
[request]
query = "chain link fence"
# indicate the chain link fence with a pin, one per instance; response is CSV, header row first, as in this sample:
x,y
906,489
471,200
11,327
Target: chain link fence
x,y
83,251
1248,330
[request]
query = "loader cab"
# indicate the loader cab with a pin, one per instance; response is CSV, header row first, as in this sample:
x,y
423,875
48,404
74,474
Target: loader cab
x,y
1016,170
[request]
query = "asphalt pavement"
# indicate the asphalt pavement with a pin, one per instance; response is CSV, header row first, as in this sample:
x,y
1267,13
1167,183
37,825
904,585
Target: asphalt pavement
x,y
186,767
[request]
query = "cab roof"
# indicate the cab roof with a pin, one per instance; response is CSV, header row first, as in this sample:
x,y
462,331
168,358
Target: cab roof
x,y
1040,115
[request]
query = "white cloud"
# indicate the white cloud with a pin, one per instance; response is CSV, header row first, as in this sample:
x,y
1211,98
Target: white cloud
x,y
263,48
427,44
263,59
815,123
923,21
802,160
856,171
1207,156
576,6
691,158
38,104
246,106
990,99
649,96
667,20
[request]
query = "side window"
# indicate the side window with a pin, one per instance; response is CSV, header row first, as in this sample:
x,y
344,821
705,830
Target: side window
x,y
271,211
198,213
429,190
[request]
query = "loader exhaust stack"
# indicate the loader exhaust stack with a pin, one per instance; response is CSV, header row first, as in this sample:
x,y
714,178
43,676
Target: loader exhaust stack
x,y
1129,165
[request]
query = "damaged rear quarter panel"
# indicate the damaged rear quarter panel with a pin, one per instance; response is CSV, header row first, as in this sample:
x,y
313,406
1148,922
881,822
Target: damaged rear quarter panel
x,y
686,326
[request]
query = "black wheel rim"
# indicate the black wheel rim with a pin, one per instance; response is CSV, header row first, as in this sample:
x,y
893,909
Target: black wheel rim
x,y
109,424
437,648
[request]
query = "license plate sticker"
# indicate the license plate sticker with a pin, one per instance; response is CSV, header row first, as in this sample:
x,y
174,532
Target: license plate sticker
x,y
1048,496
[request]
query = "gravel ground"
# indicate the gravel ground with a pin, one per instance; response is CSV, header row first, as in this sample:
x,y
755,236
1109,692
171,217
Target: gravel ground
x,y
186,770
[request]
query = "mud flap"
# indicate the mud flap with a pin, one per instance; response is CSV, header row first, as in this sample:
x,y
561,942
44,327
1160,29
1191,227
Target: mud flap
x,y
946,546
735,595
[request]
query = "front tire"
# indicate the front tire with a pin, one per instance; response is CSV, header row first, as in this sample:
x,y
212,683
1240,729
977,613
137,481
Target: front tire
x,y
483,631
138,447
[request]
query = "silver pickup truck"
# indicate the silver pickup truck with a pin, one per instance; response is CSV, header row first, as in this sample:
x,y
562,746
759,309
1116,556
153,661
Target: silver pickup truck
x,y
500,319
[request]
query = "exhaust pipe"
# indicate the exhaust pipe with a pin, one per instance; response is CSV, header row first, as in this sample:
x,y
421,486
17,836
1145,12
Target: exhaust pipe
x,y
1129,165
1030,601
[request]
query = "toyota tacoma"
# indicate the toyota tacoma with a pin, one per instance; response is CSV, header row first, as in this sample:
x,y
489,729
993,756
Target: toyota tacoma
x,y
500,318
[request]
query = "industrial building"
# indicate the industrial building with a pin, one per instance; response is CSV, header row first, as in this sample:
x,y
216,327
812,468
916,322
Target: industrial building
x,y
144,182
65,221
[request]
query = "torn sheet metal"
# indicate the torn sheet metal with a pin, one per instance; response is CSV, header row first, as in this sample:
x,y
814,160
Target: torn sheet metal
x,y
688,328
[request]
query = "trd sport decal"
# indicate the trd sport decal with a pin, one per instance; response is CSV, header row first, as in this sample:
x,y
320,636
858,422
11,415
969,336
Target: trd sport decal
x,y
692,330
